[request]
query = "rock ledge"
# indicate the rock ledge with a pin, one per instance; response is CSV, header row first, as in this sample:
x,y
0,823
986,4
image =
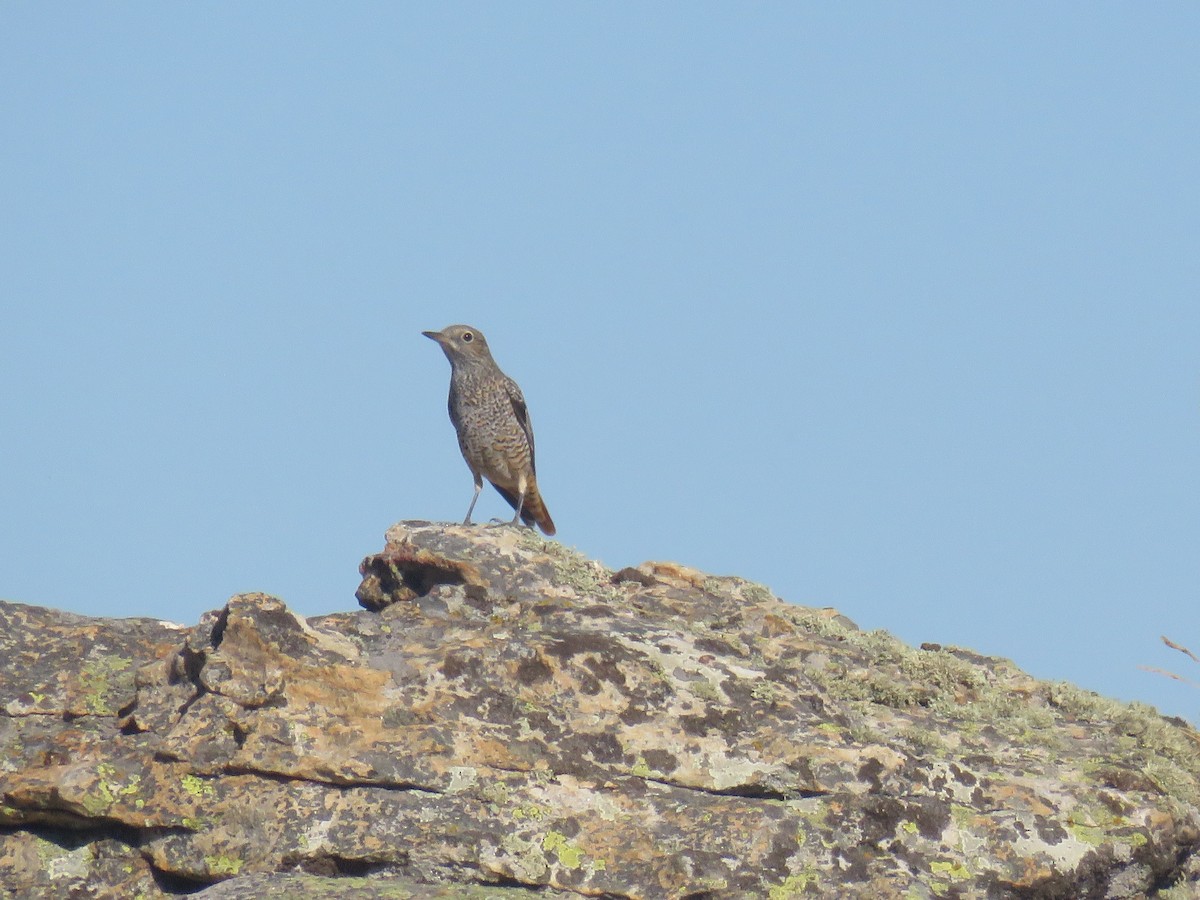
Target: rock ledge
x,y
506,717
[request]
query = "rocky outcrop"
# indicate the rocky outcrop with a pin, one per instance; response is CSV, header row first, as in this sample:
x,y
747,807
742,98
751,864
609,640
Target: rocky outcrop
x,y
506,717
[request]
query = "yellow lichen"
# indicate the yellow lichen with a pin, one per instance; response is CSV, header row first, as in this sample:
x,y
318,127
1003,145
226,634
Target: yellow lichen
x,y
97,677
223,864
567,852
955,870
197,786
793,886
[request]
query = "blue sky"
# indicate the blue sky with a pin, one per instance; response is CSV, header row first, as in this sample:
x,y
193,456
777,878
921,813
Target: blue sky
x,y
894,308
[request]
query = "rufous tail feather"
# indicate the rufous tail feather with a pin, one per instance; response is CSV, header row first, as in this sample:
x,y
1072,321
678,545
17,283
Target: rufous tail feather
x,y
534,511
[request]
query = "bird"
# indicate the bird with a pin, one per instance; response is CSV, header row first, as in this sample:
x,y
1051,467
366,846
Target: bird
x,y
492,421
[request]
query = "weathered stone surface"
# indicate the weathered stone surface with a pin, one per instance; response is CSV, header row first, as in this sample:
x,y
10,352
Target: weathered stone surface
x,y
506,716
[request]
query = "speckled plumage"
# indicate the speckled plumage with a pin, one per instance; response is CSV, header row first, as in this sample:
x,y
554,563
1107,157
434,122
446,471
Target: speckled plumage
x,y
494,433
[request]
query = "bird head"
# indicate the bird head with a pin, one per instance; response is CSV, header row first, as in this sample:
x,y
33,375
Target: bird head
x,y
461,343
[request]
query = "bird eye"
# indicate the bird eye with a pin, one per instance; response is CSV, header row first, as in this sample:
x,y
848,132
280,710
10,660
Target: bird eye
x,y
467,337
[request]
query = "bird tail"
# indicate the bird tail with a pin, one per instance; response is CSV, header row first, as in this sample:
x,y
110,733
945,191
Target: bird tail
x,y
534,511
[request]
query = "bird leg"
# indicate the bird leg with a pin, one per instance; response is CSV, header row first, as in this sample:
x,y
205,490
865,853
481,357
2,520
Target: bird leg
x,y
471,508
520,505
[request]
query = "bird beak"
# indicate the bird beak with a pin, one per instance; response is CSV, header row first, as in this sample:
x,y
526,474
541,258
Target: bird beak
x,y
433,335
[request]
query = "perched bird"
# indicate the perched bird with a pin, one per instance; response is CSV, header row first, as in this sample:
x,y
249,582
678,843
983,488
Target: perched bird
x,y
494,434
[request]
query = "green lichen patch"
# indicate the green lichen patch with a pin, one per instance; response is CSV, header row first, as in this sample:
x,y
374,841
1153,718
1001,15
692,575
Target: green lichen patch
x,y
794,886
197,786
567,852
642,769
950,869
107,683
223,865
110,786
585,576
530,811
1087,834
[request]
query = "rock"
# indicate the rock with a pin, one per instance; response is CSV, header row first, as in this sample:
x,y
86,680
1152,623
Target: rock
x,y
507,717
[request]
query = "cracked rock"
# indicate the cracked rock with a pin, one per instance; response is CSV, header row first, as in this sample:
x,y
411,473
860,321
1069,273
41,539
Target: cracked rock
x,y
505,717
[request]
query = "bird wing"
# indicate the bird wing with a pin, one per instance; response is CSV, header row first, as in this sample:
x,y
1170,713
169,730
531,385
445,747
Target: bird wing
x,y
521,411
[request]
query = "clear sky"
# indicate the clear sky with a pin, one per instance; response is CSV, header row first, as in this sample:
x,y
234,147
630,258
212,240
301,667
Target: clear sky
x,y
893,307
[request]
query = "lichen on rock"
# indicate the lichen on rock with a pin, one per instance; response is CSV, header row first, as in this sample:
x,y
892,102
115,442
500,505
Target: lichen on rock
x,y
505,716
